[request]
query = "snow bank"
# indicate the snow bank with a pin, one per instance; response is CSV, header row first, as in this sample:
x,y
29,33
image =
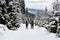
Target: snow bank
x,y
3,28
28,34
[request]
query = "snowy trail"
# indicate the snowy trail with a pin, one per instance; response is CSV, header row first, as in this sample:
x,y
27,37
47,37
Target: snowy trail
x,y
28,34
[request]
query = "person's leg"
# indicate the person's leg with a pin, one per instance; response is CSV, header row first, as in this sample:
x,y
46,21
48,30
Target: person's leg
x,y
26,26
32,27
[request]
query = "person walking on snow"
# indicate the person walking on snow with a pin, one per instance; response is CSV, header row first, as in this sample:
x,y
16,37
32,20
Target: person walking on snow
x,y
32,24
26,25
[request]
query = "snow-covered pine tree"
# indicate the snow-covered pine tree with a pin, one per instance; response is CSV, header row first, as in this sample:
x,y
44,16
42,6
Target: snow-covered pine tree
x,y
8,13
12,11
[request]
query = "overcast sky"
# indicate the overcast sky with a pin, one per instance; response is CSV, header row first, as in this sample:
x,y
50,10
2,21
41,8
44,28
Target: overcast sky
x,y
39,4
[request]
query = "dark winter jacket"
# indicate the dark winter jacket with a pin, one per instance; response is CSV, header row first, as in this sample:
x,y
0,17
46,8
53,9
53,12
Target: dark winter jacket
x,y
26,23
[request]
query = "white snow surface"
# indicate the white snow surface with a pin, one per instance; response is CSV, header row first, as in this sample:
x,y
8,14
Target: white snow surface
x,y
27,34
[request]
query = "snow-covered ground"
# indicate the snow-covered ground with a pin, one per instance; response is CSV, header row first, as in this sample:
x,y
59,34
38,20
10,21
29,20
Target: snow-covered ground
x,y
27,34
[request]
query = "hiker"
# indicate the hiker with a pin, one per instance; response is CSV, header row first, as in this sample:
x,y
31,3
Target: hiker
x,y
26,24
32,24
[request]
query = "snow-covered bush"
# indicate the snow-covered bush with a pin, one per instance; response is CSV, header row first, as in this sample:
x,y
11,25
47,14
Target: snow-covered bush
x,y
52,26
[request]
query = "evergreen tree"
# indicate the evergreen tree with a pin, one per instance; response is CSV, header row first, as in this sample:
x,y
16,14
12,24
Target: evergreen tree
x,y
12,22
8,15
